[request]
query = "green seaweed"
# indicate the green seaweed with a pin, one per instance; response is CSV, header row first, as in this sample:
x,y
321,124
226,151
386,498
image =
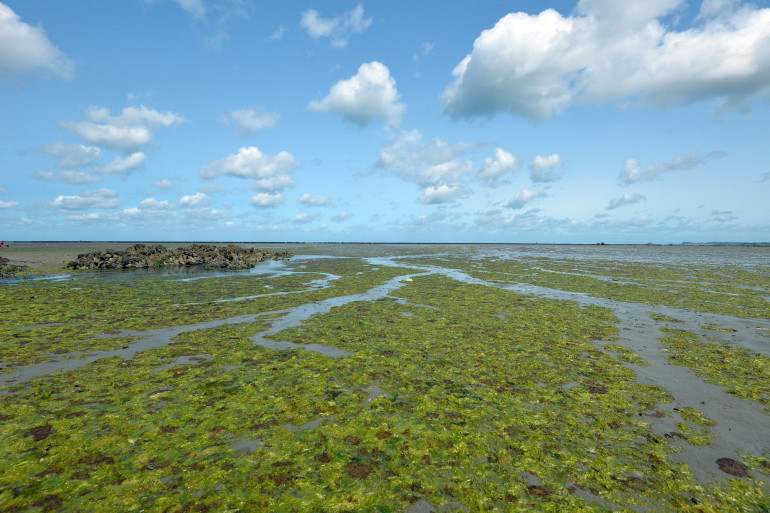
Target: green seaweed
x,y
465,396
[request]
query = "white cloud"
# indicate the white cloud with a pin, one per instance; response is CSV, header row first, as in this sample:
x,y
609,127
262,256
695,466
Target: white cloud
x,y
250,120
524,197
194,8
442,194
536,65
153,204
277,35
150,208
128,131
307,199
97,198
543,168
196,200
626,199
368,95
497,166
341,216
73,155
723,216
270,171
337,29
274,183
25,49
633,171
124,138
121,165
72,177
163,184
8,204
425,163
205,214
264,199
304,218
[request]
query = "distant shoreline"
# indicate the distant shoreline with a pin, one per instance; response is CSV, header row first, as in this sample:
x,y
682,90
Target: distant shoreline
x,y
715,243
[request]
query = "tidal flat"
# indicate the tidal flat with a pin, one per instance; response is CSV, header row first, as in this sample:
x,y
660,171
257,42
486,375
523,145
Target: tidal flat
x,y
375,377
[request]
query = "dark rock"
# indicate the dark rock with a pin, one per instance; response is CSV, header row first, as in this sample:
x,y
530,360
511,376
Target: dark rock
x,y
143,256
732,467
7,269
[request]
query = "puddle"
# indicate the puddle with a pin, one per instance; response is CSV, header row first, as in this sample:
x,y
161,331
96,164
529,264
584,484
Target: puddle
x,y
245,445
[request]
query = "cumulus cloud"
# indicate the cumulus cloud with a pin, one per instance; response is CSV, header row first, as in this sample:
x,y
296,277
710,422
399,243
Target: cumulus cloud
x,y
8,204
633,171
274,183
337,29
442,194
626,199
121,165
68,176
249,162
536,65
544,168
153,204
132,128
341,216
524,197
96,198
150,208
368,95
250,120
317,201
73,156
163,184
426,163
303,218
264,199
271,172
497,166
25,49
199,199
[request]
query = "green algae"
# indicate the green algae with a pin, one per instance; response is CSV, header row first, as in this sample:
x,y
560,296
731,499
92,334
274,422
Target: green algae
x,y
461,395
743,372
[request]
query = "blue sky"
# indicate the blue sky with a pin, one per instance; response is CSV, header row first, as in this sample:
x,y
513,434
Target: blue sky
x,y
476,121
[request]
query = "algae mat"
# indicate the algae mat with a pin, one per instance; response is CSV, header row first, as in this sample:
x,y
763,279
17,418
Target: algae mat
x,y
391,378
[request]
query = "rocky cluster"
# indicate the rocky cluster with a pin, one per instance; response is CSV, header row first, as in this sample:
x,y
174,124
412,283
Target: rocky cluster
x,y
143,256
7,269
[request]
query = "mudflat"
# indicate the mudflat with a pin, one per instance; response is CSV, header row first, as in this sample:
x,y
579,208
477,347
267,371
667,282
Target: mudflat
x,y
392,377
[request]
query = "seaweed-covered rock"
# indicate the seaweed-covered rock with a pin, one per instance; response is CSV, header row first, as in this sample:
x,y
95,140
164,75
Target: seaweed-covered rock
x,y
143,256
7,269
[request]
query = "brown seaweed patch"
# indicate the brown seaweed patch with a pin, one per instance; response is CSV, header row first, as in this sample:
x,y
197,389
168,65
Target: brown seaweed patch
x,y
50,503
40,432
352,440
538,491
358,470
732,467
96,458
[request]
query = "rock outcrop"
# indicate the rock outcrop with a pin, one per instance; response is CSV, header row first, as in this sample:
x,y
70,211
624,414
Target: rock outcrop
x,y
143,256
7,269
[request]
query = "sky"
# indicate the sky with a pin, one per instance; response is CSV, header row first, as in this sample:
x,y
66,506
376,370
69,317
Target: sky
x,y
385,121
